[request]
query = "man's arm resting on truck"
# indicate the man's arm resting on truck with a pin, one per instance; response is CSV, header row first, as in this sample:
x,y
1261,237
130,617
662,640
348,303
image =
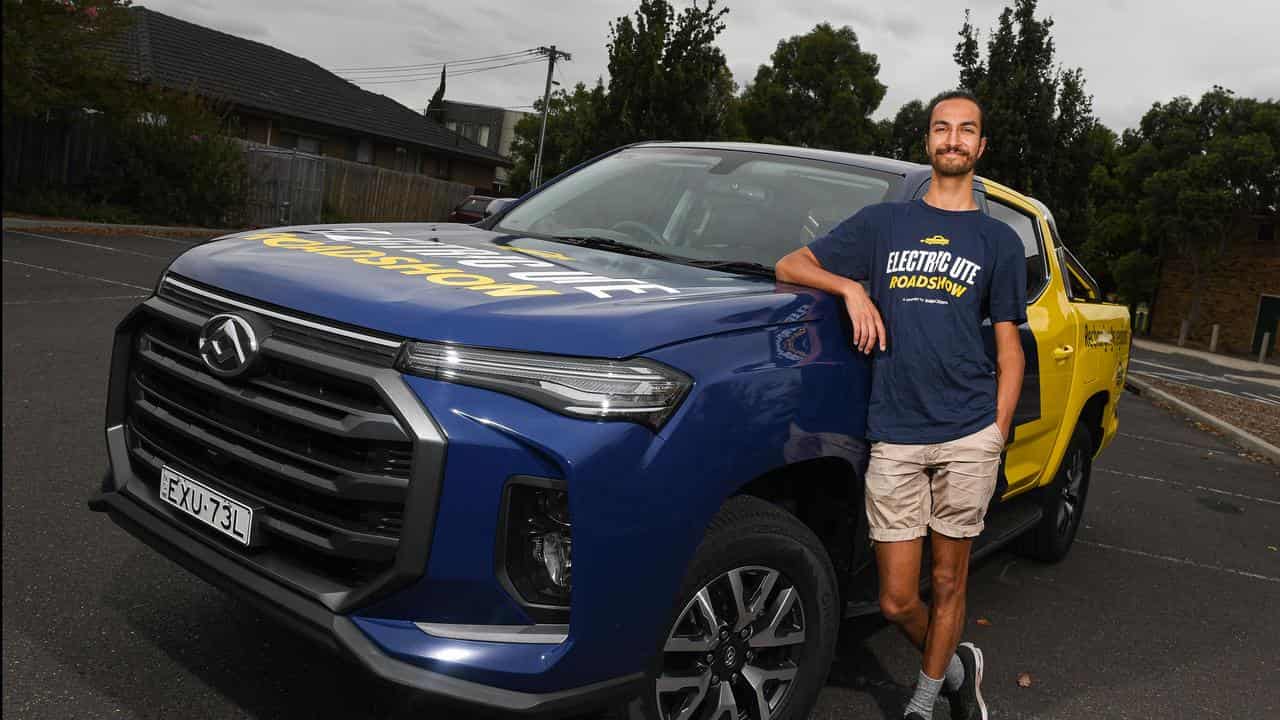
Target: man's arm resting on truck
x,y
1010,364
802,268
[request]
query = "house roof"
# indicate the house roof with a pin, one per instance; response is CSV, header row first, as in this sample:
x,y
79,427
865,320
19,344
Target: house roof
x,y
177,54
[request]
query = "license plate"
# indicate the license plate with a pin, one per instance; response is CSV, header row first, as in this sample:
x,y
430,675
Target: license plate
x,y
231,518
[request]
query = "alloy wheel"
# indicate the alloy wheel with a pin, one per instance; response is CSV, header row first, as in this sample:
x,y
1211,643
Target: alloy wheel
x,y
734,650
1073,483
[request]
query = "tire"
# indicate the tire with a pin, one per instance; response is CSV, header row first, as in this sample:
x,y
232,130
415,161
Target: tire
x,y
1063,502
775,641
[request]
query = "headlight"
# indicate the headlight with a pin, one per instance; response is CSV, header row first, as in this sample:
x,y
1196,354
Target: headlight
x,y
641,391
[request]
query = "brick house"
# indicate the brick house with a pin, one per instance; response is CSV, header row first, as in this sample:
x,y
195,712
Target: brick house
x,y
286,101
488,125
1241,295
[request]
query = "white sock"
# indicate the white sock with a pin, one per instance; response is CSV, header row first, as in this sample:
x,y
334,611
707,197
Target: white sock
x,y
955,674
926,695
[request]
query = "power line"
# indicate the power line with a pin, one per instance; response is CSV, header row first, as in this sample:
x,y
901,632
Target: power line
x,y
432,76
463,61
495,67
378,74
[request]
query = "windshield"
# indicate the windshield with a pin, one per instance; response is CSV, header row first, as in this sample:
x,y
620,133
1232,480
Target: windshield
x,y
697,204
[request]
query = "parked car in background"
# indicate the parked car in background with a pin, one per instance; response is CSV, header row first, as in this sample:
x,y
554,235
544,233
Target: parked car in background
x,y
471,210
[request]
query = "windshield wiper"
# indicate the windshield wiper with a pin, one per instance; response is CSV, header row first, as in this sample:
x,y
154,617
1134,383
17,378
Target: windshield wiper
x,y
734,266
603,243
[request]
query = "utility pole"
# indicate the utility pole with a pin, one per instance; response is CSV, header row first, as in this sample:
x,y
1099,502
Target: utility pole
x,y
535,175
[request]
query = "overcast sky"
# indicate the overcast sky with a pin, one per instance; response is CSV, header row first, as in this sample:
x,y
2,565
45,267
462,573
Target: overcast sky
x,y
1133,52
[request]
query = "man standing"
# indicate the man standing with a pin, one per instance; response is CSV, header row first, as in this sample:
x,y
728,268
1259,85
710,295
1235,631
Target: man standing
x,y
941,410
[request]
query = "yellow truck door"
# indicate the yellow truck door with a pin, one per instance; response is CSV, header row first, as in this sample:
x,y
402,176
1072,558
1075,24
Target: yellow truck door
x,y
1051,352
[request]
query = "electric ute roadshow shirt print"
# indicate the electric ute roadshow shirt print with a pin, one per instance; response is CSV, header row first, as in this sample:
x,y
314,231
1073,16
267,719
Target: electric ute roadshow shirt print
x,y
935,275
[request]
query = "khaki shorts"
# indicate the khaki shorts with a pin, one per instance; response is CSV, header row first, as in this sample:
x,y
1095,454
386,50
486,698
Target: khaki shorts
x,y
944,486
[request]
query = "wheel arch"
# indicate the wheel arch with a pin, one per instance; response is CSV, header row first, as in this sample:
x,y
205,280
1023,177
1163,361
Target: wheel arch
x,y
1091,414
826,494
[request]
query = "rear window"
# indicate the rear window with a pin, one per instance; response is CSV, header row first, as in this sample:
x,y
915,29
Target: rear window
x,y
1025,226
476,205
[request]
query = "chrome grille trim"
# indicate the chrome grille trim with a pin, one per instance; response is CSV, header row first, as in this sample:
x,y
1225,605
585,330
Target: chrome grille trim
x,y
291,319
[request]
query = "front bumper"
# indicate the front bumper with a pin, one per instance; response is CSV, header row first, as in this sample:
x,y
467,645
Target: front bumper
x,y
339,632
372,618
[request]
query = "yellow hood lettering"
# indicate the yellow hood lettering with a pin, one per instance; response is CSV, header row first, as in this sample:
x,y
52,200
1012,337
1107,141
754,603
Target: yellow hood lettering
x,y
371,247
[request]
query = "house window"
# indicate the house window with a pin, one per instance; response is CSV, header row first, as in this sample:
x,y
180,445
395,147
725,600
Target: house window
x,y
364,151
309,145
483,137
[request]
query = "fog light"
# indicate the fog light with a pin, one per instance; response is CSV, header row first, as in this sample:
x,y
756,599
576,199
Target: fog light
x,y
538,547
554,551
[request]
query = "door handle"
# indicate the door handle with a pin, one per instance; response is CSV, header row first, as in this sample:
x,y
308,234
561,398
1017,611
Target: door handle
x,y
1063,352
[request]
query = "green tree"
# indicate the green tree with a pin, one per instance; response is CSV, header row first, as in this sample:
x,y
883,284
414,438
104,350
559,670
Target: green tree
x,y
1043,137
667,80
667,77
176,161
819,90
57,56
1114,227
903,137
574,134
1135,276
1206,170
435,106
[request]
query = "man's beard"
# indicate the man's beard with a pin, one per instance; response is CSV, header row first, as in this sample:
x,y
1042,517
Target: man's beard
x,y
949,164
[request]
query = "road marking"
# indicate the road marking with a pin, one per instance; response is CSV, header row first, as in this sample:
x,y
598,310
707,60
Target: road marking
x,y
1177,380
1175,369
1181,561
175,241
1273,382
72,300
1260,398
1187,485
108,248
1170,378
1169,442
76,274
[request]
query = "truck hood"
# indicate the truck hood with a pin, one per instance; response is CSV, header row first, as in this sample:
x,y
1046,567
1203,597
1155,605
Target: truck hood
x,y
458,283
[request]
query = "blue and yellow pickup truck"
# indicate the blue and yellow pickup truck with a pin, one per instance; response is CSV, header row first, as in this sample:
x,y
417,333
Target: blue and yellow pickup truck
x,y
587,450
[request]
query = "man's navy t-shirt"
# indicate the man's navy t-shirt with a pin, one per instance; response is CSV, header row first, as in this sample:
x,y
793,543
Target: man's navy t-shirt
x,y
935,275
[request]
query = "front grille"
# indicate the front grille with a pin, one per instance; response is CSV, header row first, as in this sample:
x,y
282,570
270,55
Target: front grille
x,y
308,440
316,333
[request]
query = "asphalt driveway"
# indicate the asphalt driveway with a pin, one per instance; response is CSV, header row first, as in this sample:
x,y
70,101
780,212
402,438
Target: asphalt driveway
x,y
1165,608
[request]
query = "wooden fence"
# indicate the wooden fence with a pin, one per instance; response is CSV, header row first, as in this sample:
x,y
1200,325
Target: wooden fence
x,y
287,187
284,186
63,153
362,192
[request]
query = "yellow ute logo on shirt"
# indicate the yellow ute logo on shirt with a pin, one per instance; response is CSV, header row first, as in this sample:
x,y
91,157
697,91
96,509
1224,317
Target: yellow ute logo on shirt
x,y
936,240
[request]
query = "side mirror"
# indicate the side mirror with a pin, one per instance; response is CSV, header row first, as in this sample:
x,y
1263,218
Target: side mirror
x,y
496,206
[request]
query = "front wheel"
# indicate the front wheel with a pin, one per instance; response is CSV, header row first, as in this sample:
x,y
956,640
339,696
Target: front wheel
x,y
756,627
1051,538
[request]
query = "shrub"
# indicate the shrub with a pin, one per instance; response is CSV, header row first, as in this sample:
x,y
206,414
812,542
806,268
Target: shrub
x,y
176,162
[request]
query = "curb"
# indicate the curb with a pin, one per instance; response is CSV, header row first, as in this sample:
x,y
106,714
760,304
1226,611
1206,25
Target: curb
x,y
80,226
1248,440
